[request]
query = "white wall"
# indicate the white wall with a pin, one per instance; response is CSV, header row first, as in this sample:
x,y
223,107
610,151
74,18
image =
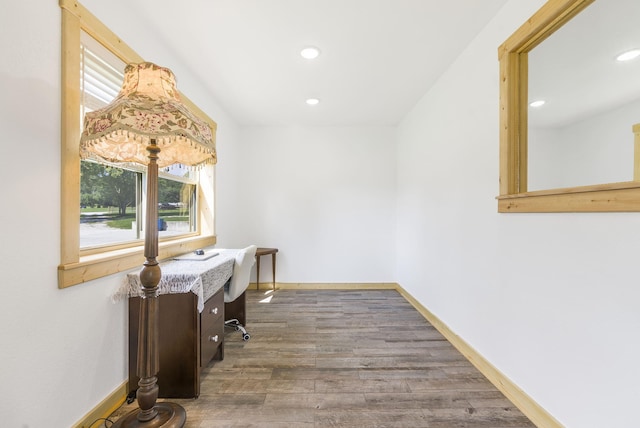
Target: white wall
x,y
549,299
323,196
63,351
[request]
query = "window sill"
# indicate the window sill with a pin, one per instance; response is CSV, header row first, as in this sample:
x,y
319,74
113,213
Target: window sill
x,y
96,266
615,197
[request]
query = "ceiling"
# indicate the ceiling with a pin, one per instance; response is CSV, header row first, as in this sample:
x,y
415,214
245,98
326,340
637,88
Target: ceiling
x,y
378,57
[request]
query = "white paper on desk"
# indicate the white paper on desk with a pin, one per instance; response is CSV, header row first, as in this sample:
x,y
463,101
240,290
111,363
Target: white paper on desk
x,y
192,256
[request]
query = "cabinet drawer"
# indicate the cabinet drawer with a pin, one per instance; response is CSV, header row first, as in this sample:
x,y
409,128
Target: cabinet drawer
x,y
212,329
213,311
212,341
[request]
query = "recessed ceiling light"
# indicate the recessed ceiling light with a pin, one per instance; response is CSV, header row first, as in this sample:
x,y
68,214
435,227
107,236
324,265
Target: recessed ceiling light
x,y
628,55
313,101
310,52
537,103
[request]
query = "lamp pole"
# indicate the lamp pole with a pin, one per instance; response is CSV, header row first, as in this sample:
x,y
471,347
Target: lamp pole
x,y
151,414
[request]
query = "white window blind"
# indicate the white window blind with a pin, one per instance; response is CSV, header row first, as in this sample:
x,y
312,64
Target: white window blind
x,y
101,76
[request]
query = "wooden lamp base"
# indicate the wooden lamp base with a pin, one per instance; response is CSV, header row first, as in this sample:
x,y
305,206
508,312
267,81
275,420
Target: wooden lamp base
x,y
170,415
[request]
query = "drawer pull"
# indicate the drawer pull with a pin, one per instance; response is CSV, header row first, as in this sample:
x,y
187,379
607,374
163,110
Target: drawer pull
x,y
214,310
213,338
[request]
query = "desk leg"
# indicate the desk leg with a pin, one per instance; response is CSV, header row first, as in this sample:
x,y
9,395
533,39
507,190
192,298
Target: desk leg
x,y
258,272
273,270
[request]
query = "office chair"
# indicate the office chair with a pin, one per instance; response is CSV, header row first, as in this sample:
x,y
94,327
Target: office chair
x,y
234,294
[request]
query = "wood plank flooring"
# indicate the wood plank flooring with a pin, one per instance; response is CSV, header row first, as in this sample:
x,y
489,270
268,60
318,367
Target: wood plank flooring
x,y
338,358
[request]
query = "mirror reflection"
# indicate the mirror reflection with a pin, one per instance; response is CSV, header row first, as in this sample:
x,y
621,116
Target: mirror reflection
x,y
580,132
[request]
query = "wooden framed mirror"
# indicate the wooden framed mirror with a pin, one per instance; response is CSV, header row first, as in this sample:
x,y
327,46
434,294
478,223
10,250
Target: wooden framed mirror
x,y
559,54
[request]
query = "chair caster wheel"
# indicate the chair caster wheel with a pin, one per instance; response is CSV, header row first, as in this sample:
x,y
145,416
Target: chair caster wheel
x,y
246,337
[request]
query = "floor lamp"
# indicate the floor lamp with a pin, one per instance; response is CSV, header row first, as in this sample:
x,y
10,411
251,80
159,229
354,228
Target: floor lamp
x,y
146,118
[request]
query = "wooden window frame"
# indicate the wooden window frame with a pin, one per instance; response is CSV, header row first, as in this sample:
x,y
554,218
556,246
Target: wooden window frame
x,y
76,267
514,197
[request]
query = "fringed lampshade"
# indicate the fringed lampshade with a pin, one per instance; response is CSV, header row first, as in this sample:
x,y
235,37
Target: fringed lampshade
x,y
147,108
147,124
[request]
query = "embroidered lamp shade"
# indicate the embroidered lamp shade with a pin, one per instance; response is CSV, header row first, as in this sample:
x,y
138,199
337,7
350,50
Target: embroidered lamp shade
x,y
147,108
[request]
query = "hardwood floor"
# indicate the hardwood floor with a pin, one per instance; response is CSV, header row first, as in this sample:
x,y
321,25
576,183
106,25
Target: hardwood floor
x,y
338,358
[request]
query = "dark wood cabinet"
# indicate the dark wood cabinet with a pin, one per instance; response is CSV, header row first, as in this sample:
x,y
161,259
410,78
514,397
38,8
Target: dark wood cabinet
x,y
188,341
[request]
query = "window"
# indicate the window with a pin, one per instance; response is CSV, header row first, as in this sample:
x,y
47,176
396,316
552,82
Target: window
x,y
109,205
111,196
102,205
514,157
